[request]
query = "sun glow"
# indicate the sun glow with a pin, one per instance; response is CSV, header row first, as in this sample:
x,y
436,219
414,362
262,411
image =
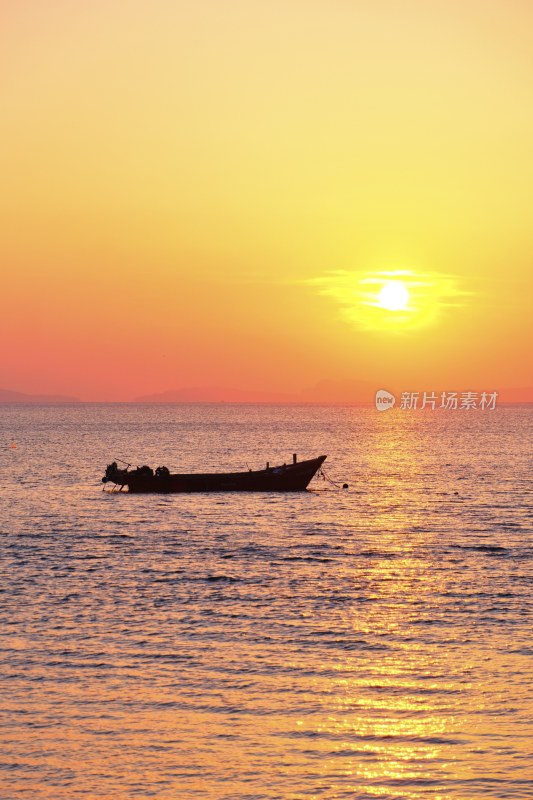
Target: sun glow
x,y
418,299
394,296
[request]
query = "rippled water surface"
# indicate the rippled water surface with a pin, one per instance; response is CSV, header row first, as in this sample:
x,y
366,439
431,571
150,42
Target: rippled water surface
x,y
368,643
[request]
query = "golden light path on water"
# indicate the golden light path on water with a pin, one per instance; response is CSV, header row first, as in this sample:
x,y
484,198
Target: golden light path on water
x,y
371,643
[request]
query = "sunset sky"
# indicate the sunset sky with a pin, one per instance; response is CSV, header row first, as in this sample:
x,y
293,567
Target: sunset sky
x,y
214,193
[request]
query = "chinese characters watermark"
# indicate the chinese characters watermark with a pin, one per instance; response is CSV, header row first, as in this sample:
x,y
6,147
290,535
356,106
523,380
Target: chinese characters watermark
x,y
449,401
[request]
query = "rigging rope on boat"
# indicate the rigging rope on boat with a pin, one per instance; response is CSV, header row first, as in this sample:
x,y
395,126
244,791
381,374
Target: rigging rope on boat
x,y
323,474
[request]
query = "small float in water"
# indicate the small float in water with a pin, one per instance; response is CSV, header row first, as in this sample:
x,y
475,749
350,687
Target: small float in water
x,y
293,477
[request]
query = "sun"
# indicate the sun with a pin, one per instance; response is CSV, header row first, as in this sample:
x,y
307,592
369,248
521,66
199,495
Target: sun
x,y
395,301
393,296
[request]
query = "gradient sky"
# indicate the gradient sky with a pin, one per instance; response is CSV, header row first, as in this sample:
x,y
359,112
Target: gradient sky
x,y
192,190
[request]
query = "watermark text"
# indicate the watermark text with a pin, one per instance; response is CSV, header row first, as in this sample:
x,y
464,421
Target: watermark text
x,y
449,401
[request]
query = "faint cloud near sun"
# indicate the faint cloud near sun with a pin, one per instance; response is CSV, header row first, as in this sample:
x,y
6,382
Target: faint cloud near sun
x,y
395,300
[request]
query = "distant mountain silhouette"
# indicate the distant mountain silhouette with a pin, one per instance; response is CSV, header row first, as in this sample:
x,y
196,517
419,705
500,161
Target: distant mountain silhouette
x,y
341,392
520,395
357,392
9,396
215,394
347,391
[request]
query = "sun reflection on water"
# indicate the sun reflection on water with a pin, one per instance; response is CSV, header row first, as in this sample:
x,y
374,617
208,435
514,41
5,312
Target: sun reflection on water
x,y
368,643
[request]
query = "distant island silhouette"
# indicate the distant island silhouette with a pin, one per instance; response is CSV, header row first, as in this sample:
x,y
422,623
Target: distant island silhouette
x,y
324,392
9,396
215,394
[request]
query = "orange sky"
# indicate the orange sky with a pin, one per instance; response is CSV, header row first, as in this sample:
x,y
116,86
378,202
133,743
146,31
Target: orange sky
x,y
192,193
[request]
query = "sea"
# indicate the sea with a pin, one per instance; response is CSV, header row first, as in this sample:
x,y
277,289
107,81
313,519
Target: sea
x,y
371,643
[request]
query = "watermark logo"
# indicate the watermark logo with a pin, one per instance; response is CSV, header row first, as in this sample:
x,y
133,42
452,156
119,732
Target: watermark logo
x,y
449,401
384,400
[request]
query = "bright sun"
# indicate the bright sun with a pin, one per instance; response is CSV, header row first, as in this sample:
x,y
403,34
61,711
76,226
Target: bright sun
x,y
393,296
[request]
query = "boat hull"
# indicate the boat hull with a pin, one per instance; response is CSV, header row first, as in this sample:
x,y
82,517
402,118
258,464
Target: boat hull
x,y
284,478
